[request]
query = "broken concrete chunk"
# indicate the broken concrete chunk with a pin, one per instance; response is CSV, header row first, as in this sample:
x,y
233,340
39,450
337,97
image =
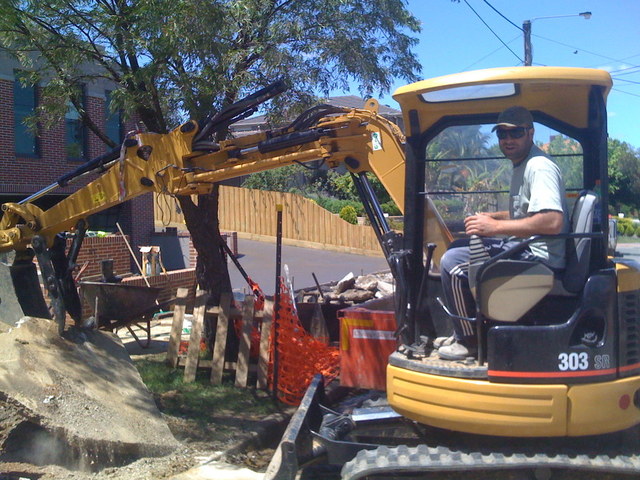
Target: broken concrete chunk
x,y
357,295
385,288
346,283
367,282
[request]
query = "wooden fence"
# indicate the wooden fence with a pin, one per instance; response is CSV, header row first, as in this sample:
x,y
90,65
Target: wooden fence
x,y
221,318
252,213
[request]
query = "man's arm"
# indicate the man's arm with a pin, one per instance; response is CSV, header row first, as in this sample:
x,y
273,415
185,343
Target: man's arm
x,y
501,215
546,222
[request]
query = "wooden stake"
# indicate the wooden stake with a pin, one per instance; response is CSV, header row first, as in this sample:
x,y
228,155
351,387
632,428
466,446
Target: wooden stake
x,y
193,353
242,371
224,315
176,327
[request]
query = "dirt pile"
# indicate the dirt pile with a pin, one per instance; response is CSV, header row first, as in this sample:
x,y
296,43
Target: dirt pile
x,y
76,401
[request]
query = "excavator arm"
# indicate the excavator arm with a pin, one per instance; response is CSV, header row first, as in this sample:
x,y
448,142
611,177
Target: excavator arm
x,y
186,161
169,164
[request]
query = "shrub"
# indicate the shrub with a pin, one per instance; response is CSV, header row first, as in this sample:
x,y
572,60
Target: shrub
x,y
391,208
348,214
629,230
335,206
623,225
638,231
396,224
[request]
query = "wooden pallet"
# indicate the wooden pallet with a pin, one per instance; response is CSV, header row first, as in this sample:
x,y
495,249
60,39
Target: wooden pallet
x,y
221,318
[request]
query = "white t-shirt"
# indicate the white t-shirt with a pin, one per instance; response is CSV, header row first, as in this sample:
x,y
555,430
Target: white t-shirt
x,y
537,185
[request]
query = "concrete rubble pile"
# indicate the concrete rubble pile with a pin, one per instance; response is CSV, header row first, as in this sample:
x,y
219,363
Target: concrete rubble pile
x,y
350,290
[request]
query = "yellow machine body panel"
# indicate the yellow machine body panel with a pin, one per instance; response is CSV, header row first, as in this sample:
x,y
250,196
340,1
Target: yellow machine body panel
x,y
477,406
603,407
481,407
628,278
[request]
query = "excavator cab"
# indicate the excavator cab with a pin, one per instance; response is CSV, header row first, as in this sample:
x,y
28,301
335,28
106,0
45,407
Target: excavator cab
x,y
554,347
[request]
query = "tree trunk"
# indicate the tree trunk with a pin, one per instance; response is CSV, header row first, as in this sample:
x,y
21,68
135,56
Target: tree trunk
x,y
212,273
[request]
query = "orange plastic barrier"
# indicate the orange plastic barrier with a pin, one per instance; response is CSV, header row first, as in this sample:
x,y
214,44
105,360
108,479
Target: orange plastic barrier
x,y
300,356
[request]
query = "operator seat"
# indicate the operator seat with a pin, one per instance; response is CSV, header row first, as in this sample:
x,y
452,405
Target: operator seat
x,y
506,289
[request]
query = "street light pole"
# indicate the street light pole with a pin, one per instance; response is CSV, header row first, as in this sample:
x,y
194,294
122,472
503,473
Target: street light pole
x,y
526,30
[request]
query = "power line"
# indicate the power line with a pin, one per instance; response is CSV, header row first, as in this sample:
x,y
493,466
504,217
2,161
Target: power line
x,y
495,10
628,93
625,80
491,30
625,70
577,48
489,54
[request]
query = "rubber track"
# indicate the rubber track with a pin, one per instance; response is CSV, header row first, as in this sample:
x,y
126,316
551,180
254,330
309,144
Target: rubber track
x,y
403,459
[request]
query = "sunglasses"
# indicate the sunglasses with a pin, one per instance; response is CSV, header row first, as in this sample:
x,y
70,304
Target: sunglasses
x,y
517,132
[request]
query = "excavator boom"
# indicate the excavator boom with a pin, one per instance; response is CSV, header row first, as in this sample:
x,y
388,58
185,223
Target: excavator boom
x,y
185,161
168,163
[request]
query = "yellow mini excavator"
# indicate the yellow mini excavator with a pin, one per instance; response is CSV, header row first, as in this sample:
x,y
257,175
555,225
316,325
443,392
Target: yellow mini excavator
x,y
556,383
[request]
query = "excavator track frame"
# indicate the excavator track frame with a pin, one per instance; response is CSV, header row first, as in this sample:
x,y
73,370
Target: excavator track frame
x,y
319,442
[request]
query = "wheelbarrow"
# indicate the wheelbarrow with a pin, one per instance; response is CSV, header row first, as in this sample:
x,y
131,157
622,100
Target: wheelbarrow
x,y
117,305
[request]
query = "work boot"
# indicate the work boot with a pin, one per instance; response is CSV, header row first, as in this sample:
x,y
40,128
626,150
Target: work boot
x,y
443,342
456,351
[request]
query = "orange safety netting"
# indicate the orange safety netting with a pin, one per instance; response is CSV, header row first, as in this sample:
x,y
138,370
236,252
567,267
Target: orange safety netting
x,y
300,355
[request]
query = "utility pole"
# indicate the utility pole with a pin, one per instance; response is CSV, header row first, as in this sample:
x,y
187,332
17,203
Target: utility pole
x,y
526,29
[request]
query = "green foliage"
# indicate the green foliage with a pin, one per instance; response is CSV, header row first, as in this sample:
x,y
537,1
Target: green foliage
x,y
182,59
397,225
563,150
453,173
330,190
335,205
294,179
342,186
459,142
624,181
625,225
348,214
629,231
391,208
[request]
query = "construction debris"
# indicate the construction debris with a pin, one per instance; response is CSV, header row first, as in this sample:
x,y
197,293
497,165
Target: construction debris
x,y
350,290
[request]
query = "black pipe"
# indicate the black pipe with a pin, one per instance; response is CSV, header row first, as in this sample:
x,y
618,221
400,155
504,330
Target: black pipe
x,y
239,110
276,300
366,202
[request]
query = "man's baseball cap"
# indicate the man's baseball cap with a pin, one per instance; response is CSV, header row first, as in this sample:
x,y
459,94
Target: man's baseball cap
x,y
514,117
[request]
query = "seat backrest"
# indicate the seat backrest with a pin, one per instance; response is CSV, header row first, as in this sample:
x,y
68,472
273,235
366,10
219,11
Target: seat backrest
x,y
579,249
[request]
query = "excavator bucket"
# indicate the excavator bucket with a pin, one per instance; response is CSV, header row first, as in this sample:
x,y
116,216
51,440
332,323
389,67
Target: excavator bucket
x,y
20,292
296,445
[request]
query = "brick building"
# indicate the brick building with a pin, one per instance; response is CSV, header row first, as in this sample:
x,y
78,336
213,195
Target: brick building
x,y
30,162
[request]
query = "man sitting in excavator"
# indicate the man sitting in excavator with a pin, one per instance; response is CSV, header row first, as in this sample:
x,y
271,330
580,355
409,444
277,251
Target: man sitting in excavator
x,y
537,206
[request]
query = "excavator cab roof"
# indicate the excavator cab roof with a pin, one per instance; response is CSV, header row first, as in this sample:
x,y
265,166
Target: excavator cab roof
x,y
560,93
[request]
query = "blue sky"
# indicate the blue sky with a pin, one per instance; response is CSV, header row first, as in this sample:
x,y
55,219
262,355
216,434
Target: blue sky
x,y
454,39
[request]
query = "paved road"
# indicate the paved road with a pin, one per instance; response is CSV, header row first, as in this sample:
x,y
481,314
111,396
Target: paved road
x,y
629,250
259,261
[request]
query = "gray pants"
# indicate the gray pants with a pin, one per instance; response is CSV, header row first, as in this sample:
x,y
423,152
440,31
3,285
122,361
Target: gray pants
x,y
454,268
